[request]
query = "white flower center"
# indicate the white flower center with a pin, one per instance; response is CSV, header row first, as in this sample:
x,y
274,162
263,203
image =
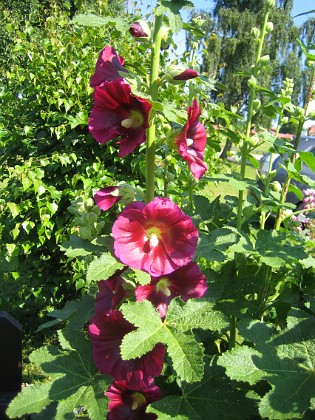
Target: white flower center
x,y
189,141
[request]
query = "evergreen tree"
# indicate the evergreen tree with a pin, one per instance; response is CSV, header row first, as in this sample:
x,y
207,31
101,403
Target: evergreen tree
x,y
229,46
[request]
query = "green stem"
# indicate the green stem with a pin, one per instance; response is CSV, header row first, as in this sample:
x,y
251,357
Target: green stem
x,y
244,152
287,182
153,91
244,148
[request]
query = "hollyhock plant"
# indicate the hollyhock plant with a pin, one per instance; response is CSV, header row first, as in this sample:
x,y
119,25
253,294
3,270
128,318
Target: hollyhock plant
x,y
158,237
108,196
107,68
106,332
111,293
178,74
191,141
187,282
117,112
140,30
126,403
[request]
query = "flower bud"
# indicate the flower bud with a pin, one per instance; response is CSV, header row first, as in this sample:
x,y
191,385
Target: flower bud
x,y
256,104
126,192
255,32
166,37
269,27
108,196
179,74
140,30
284,120
252,82
309,63
311,115
264,60
275,186
270,3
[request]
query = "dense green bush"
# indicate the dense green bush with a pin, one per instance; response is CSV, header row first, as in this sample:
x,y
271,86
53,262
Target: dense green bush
x,y
47,155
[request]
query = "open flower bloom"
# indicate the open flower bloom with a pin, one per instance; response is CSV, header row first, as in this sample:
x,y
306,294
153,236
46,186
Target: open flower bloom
x,y
107,67
111,293
187,282
117,112
158,237
106,332
191,141
125,403
108,196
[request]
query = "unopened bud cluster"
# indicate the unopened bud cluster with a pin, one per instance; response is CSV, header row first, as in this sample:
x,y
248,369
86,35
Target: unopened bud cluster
x,y
287,89
86,220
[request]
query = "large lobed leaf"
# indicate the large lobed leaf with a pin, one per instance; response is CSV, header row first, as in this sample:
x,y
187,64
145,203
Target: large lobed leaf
x,y
73,381
175,332
213,398
286,360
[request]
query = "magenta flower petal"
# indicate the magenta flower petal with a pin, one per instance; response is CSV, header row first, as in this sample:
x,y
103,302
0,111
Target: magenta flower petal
x,y
158,238
126,403
107,67
117,112
187,282
107,197
106,333
186,75
111,293
191,141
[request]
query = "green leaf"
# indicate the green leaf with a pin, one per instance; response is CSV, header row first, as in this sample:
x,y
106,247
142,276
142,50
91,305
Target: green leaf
x,y
213,246
175,332
308,158
97,21
275,249
102,268
214,394
77,312
73,381
285,360
78,247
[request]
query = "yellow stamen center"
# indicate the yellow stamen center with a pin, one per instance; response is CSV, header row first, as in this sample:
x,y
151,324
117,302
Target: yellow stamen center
x,y
134,120
138,400
163,286
153,235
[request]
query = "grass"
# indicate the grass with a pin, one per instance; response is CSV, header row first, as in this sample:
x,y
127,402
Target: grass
x,y
214,189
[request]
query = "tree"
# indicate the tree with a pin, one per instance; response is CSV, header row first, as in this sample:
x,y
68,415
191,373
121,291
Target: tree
x,y
228,50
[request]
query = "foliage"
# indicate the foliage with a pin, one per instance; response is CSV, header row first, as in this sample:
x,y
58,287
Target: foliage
x,y
45,159
243,350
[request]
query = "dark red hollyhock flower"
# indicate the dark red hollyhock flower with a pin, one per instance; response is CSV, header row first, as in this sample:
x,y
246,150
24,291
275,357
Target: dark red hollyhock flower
x,y
158,237
117,112
106,332
191,141
107,67
187,282
107,197
180,73
111,293
140,30
125,403
186,75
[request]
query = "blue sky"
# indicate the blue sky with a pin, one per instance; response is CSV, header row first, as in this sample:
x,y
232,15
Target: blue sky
x,y
299,6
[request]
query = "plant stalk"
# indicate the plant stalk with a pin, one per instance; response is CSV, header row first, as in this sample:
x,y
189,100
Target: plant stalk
x,y
153,91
